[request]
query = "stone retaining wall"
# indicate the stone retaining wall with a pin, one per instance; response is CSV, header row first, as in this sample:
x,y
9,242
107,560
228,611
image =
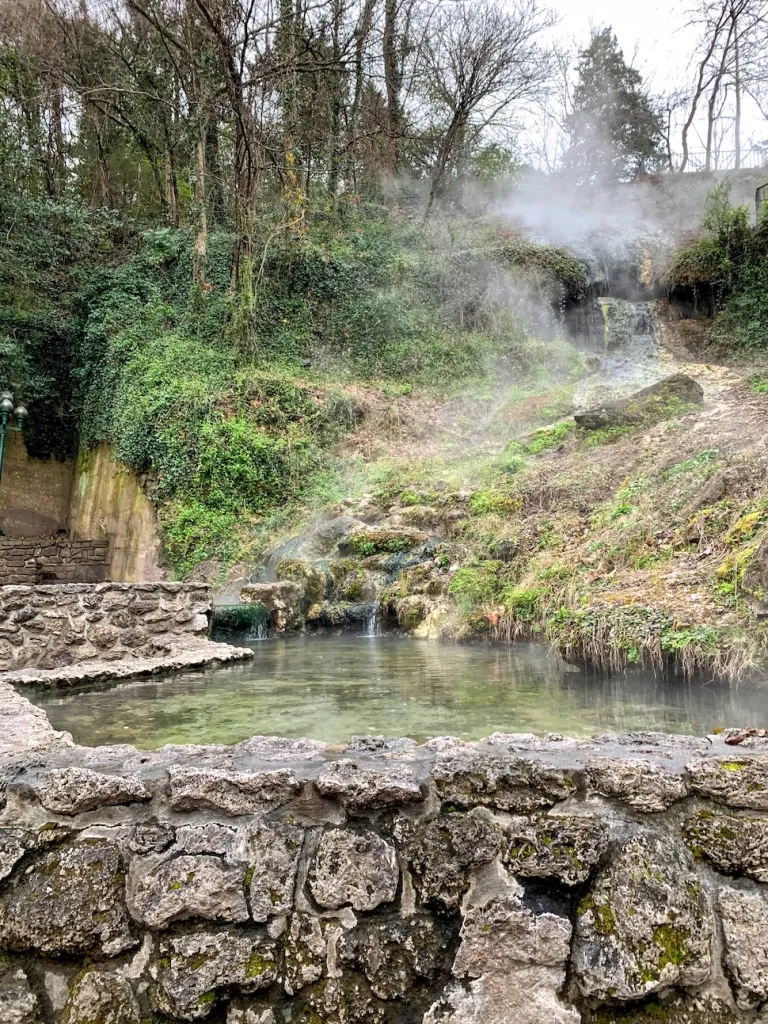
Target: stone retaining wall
x,y
50,626
514,881
53,560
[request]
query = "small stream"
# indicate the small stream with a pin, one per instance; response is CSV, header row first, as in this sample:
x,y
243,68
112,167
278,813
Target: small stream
x,y
330,687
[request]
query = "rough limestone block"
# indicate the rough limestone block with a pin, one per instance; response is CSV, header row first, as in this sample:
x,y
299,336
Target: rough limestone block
x,y
554,846
735,781
273,861
514,961
442,852
644,785
397,956
18,1003
102,997
305,953
735,846
192,969
231,792
164,888
69,902
357,869
363,789
645,926
470,778
74,790
744,917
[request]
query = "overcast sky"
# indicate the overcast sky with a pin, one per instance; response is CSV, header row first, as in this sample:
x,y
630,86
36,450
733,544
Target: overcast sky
x,y
655,39
657,31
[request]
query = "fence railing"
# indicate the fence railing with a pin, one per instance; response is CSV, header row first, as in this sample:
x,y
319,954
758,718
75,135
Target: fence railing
x,y
723,160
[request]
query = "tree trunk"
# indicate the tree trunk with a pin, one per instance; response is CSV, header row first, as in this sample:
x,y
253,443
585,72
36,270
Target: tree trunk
x,y
737,87
392,82
201,238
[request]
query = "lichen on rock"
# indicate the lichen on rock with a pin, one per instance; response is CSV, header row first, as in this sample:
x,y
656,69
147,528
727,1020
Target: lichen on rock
x,y
18,1003
164,888
744,914
273,859
101,997
397,955
645,926
735,781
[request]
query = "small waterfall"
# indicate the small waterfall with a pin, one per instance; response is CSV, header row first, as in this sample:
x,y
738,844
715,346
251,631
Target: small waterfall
x,y
373,622
257,631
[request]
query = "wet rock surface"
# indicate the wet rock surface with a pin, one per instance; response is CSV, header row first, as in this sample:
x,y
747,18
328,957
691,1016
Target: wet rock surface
x,y
519,880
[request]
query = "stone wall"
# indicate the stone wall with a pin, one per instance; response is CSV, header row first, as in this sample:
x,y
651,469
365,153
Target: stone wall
x,y
110,501
35,493
49,626
53,559
514,881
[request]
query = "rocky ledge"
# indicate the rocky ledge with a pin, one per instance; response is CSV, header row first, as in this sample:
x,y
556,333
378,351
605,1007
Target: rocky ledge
x,y
192,653
518,879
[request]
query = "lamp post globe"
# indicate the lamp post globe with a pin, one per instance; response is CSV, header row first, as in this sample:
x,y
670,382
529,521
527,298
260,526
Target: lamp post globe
x,y
6,404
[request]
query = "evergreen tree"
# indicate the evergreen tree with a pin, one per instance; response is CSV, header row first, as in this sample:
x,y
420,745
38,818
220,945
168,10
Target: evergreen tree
x,y
615,131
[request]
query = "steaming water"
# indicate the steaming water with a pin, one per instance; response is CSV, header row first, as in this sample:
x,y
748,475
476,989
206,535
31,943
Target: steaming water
x,y
634,360
331,687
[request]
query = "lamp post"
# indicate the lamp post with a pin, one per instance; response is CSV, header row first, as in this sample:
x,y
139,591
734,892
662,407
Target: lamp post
x,y
9,409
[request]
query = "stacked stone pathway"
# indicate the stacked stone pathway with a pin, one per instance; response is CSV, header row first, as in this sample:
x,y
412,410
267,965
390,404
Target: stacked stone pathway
x,y
512,881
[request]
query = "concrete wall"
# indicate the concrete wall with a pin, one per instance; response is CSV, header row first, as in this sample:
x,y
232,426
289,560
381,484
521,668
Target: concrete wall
x,y
34,493
53,560
108,501
513,881
52,625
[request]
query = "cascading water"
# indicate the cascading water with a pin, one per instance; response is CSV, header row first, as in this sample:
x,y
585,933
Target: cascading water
x,y
629,355
373,625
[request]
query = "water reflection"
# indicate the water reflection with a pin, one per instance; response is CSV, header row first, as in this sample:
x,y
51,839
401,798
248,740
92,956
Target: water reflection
x,y
330,687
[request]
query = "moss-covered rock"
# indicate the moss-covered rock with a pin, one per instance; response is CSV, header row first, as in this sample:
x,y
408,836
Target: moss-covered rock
x,y
668,397
69,901
442,852
645,926
733,845
554,846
